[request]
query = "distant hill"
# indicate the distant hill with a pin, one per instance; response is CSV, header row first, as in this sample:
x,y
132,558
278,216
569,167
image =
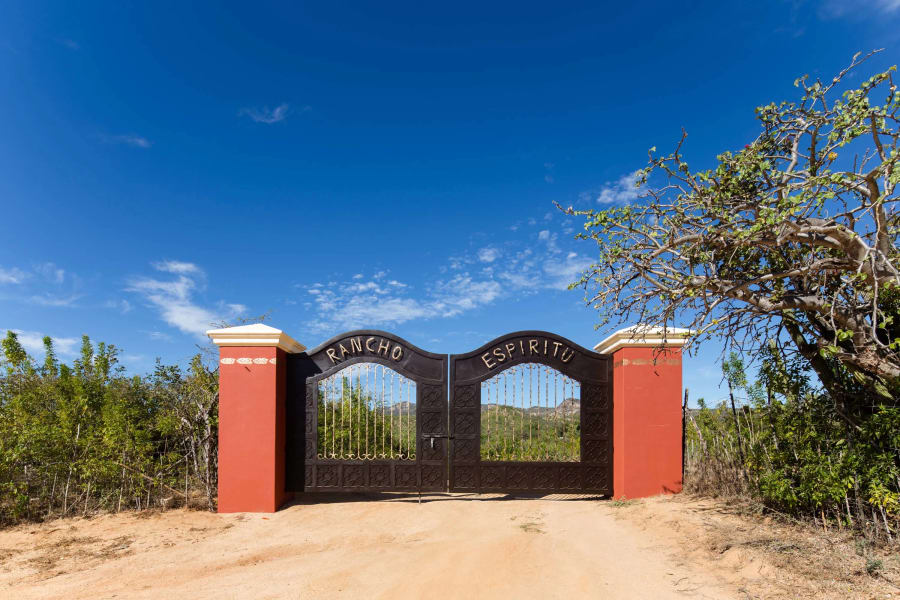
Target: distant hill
x,y
402,409
567,408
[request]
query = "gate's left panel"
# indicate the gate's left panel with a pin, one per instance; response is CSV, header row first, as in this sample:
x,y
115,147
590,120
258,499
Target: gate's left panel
x,y
367,411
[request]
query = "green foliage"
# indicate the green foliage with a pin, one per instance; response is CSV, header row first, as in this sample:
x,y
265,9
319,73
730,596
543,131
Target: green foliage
x,y
509,433
802,456
792,239
356,424
86,437
874,566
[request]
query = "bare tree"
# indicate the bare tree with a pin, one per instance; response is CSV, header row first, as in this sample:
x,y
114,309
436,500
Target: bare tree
x,y
792,239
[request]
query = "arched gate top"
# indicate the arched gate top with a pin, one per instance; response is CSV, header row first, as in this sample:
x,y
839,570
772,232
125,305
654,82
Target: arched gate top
x,y
375,346
542,347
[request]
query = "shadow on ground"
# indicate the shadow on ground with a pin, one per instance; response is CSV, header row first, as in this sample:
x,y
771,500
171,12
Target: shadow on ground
x,y
304,499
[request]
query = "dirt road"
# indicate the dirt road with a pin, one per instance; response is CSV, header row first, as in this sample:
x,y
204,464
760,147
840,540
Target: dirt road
x,y
445,547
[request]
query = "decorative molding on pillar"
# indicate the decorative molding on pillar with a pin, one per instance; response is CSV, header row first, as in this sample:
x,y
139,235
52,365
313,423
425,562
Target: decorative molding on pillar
x,y
255,335
642,336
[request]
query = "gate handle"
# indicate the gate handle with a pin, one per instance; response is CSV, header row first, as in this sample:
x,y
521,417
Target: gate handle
x,y
434,436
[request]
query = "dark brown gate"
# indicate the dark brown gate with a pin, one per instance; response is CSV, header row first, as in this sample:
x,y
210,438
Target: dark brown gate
x,y
503,442
367,411
529,412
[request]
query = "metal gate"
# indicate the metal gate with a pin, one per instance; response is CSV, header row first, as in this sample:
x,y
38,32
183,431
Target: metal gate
x,y
517,403
529,411
360,410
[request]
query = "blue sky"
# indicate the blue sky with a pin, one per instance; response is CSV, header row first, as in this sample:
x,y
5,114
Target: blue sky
x,y
387,165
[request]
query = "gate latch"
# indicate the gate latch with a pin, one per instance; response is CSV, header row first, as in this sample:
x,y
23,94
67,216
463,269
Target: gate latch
x,y
434,436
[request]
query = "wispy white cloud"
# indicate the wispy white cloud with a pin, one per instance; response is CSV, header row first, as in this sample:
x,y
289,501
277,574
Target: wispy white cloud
x,y
12,275
466,283
836,9
548,175
269,115
355,304
122,305
135,141
177,266
621,191
51,272
488,254
131,359
33,342
158,335
43,284
561,272
48,299
174,298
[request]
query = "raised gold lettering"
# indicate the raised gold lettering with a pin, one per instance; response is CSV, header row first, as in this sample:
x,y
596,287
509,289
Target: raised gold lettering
x,y
355,345
368,347
344,351
330,353
509,349
397,352
563,356
556,346
486,357
383,345
521,348
533,346
498,352
545,347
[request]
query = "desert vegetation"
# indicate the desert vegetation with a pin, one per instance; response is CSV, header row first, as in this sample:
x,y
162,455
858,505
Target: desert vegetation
x,y
79,438
779,445
511,433
356,423
786,250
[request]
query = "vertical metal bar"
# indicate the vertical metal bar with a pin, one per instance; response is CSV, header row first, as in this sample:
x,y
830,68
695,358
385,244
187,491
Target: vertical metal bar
x,y
402,427
367,396
511,372
400,432
408,415
360,398
525,414
323,431
487,428
520,408
410,443
499,425
358,403
350,412
553,448
361,411
506,425
498,440
347,395
333,384
517,381
341,432
391,453
546,399
408,407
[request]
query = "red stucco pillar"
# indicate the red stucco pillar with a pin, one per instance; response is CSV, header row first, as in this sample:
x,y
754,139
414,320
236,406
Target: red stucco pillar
x,y
252,387
647,392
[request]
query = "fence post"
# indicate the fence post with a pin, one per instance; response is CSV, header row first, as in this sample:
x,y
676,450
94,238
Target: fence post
x,y
252,389
647,419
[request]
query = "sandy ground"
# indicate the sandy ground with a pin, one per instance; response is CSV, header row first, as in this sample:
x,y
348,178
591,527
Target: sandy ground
x,y
444,547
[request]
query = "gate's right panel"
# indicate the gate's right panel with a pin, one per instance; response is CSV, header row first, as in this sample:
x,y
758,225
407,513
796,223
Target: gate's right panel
x,y
531,412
